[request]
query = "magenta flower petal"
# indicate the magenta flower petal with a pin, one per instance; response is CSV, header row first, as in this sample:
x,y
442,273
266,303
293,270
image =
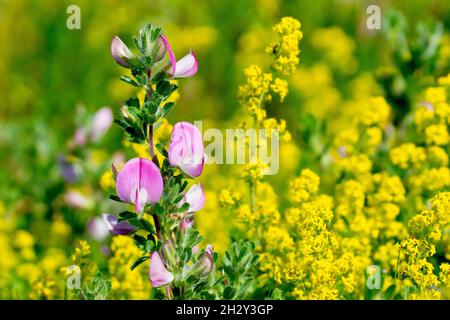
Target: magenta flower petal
x,y
186,149
116,227
139,182
159,276
186,66
120,53
101,122
173,61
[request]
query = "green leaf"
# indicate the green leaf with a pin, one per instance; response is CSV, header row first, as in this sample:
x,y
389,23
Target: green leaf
x,y
140,242
132,102
228,293
389,292
148,226
139,261
129,81
162,150
115,198
127,215
159,210
165,110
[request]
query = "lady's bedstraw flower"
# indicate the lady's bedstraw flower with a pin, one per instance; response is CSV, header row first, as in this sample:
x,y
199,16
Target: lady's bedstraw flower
x,y
186,149
139,182
286,51
159,276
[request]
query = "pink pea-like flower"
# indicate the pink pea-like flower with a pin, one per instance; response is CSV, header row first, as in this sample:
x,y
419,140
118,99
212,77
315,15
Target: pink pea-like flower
x,y
186,149
183,68
139,182
97,228
195,196
101,123
120,53
159,275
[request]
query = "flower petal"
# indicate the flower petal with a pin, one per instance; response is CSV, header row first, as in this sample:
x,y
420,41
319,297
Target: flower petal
x,y
186,149
98,229
173,61
159,276
139,178
186,66
195,197
116,227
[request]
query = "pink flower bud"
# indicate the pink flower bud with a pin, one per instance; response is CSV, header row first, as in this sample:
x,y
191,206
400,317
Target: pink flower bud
x,y
206,261
121,54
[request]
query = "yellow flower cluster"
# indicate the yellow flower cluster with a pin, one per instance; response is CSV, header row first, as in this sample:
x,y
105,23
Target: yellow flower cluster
x,y
127,284
425,230
286,51
302,187
408,156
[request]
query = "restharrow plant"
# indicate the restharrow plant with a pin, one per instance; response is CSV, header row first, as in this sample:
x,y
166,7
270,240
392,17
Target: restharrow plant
x,y
163,207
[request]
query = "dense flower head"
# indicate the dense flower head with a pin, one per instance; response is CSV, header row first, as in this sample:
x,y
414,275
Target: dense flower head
x,y
286,51
302,187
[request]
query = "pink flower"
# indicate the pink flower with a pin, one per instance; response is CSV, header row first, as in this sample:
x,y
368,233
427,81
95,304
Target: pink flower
x,y
79,138
115,227
77,200
101,122
97,229
196,199
121,54
183,68
159,276
186,149
139,182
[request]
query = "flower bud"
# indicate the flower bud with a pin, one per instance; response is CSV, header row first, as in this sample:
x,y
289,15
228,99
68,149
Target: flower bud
x,y
205,264
169,253
121,54
127,114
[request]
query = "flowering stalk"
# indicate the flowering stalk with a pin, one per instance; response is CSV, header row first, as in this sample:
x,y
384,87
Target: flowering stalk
x,y
163,207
